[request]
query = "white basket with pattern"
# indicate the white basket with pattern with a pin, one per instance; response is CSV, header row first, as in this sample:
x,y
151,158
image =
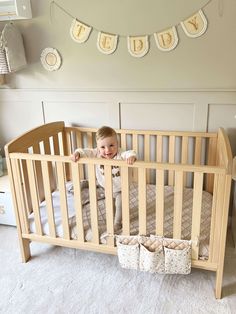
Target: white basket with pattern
x,y
177,256
152,255
128,251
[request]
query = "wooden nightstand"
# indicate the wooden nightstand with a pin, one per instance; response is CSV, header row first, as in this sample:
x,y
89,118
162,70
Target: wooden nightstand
x,y
7,216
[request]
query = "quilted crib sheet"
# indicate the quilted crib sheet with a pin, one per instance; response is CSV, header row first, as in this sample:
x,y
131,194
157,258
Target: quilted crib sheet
x,y
151,201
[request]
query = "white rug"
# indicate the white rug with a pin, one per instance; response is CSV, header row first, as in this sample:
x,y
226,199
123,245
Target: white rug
x,y
61,280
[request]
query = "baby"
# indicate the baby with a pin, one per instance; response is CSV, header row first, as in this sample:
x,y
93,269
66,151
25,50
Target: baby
x,y
107,147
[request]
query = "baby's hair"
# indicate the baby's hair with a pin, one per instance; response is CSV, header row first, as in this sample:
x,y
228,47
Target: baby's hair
x,y
105,131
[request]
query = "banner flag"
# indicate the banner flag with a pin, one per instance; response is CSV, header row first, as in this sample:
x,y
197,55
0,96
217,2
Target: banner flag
x,y
138,46
107,43
195,25
79,32
167,40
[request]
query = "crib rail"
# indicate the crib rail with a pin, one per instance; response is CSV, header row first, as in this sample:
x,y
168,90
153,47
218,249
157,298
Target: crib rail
x,y
173,147
25,165
193,148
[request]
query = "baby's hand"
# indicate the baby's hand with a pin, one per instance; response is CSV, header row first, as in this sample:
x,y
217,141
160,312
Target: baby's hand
x,y
75,156
130,160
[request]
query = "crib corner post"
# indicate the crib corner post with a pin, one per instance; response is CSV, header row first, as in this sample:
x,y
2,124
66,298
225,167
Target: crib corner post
x,y
219,279
25,249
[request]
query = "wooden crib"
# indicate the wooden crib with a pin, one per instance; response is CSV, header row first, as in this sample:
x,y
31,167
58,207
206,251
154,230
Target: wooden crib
x,y
38,163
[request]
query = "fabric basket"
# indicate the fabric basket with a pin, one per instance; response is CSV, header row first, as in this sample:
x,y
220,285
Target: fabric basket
x,y
128,251
152,255
177,256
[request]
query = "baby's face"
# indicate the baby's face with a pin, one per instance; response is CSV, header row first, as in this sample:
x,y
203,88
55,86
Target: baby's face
x,y
107,147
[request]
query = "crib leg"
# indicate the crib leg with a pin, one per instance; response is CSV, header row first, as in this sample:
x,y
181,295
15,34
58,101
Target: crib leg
x,y
219,280
25,249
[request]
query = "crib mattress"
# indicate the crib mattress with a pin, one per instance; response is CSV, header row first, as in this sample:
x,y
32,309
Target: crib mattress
x,y
133,203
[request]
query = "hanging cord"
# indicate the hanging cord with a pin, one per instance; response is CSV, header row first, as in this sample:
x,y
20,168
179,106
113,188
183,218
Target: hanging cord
x,y
73,17
60,7
120,35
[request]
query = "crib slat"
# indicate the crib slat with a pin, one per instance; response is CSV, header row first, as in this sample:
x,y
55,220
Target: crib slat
x,y
211,161
90,139
64,143
46,146
160,202
196,215
39,176
109,203
34,196
56,145
184,155
171,159
25,181
93,203
213,217
142,212
159,151
79,139
125,200
63,199
79,145
68,153
123,141
77,201
135,148
178,204
68,142
47,151
48,198
135,142
62,146
198,151
147,153
20,196
147,147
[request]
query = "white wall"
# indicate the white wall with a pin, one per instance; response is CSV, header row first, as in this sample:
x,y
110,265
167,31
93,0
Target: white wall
x,y
207,62
23,109
191,88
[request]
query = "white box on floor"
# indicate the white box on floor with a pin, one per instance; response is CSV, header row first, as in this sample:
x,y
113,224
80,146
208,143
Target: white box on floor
x,y
7,216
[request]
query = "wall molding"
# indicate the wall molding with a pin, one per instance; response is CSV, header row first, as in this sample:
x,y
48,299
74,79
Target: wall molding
x,y
117,90
163,95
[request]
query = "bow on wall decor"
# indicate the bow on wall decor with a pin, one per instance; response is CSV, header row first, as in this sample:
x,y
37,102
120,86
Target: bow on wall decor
x,y
138,46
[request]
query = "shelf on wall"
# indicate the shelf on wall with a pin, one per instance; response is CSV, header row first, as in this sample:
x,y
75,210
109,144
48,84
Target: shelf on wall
x,y
15,10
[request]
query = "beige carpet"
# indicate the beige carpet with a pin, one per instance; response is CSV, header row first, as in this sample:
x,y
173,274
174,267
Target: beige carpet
x,y
61,280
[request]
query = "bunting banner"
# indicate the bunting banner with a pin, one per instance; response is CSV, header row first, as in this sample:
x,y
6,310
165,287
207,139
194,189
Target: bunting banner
x,y
138,45
79,32
107,43
195,25
167,40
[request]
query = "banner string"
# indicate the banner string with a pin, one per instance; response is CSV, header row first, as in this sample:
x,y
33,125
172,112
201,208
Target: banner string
x,y
54,3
